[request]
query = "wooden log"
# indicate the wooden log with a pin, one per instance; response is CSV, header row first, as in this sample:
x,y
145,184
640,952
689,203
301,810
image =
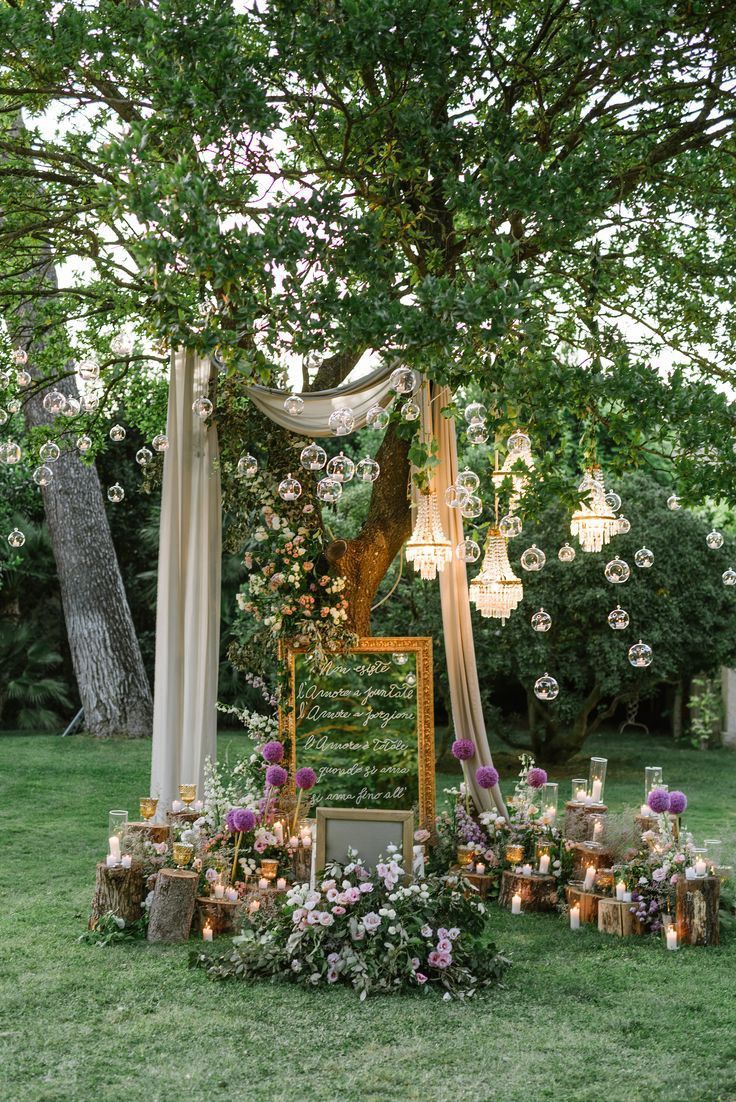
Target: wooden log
x,y
482,882
538,893
577,825
615,917
173,903
584,854
588,902
179,818
119,891
696,913
222,915
152,832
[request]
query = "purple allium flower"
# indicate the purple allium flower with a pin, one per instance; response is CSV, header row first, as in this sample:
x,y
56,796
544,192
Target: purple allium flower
x,y
276,776
536,777
273,751
463,749
486,776
659,800
678,802
240,818
306,778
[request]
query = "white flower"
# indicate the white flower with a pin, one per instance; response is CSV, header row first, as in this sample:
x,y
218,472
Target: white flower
x,y
296,965
426,931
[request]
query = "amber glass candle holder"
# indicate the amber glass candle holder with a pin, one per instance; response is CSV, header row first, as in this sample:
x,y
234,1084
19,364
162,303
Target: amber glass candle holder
x,y
147,805
182,852
464,856
188,793
269,868
514,853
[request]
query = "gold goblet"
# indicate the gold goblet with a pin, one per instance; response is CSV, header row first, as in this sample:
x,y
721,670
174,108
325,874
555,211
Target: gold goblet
x,y
182,852
269,868
464,856
188,793
148,807
514,853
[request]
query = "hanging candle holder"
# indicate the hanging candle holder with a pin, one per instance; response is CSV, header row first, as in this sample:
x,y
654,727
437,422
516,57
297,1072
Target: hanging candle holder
x,y
341,468
496,591
290,489
313,457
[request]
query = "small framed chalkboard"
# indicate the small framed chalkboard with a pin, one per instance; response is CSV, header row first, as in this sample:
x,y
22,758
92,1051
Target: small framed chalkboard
x,y
340,829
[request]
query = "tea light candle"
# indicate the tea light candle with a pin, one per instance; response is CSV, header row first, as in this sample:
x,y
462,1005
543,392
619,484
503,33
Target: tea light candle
x,y
281,884
231,894
544,864
581,795
207,932
700,867
263,884
114,843
177,805
526,870
689,873
516,904
480,868
620,891
198,805
278,833
645,811
126,861
671,936
597,790
294,841
575,917
306,836
254,905
112,862
589,878
219,890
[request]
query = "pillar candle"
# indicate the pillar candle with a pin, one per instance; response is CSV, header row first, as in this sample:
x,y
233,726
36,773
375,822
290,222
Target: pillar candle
x,y
581,795
219,891
177,805
671,935
254,905
207,933
306,837
114,843
700,867
263,884
516,904
278,833
294,841
544,864
620,890
575,918
645,811
480,868
281,884
597,830
689,873
231,894
589,878
627,897
197,805
126,861
597,790
526,870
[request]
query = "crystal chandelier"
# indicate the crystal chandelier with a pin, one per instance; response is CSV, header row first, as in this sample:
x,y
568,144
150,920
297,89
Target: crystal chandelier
x,y
428,547
496,591
594,523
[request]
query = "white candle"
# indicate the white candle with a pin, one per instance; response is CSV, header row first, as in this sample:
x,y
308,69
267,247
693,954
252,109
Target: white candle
x,y
126,861
671,935
417,862
575,917
306,837
589,878
281,884
207,933
597,830
231,894
627,897
620,890
551,814
645,811
197,805
480,868
294,841
544,864
254,905
700,867
516,904
689,873
263,884
219,891
114,843
177,805
526,870
278,833
581,795
112,862
596,790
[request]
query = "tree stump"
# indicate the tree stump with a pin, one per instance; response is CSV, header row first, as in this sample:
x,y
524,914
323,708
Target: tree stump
x,y
222,915
182,818
576,826
151,832
481,882
538,893
583,855
118,890
588,902
696,913
173,905
615,917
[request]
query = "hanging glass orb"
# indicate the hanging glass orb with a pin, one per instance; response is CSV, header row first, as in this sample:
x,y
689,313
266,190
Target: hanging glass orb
x,y
367,470
20,356
399,658
13,406
84,443
88,370
518,443
467,551
618,618
202,407
728,577
247,465
160,442
143,457
566,553
624,525
341,421
640,655
121,344
3,416
541,620
617,571
290,489
510,526
714,540
475,413
613,501
477,433
42,475
23,379
410,411
313,457
533,558
49,452
341,468
546,688
117,433
410,679
377,417
12,453
673,503
72,406
455,498
293,405
467,480
329,490
16,538
472,507
90,403
403,380
115,493
644,558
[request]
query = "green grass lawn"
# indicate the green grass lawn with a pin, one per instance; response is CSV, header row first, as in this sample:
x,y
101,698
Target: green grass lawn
x,y
582,1016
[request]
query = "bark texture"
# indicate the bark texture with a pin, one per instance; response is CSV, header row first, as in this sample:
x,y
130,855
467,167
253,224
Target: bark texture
x,y
538,893
173,903
118,890
697,906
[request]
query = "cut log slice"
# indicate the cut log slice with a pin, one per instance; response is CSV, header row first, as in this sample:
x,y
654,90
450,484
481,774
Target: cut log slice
x,y
577,816
696,915
588,902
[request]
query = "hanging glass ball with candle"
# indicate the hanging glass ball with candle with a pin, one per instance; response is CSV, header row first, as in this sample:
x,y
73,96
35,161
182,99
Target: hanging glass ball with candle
x,y
313,457
84,443
644,558
88,370
329,490
20,356
475,413
12,453
377,417
467,551
16,538
42,475
121,344
367,469
617,571
53,401
541,620
518,443
728,577
3,416
49,452
566,553
623,526
533,558
546,688
115,493
289,489
613,501
4,380
72,406
714,540
202,407
341,421
510,526
640,655
160,442
410,411
468,481
23,379
247,466
471,507
455,498
410,679
143,457
293,405
399,658
403,380
117,433
477,433
14,406
673,503
341,468
618,618
90,403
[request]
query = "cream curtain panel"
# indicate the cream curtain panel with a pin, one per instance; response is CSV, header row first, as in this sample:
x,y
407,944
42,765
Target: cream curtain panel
x,y
370,390
188,606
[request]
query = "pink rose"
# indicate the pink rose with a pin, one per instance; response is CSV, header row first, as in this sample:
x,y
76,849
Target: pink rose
x,y
371,921
338,910
352,895
444,945
366,887
326,919
332,895
420,977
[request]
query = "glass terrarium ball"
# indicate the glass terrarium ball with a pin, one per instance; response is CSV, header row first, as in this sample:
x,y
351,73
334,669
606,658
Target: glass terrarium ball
x,y
121,344
84,443
312,457
49,452
673,502
329,490
410,679
475,412
88,370
247,465
3,416
624,526
541,620
42,475
618,618
115,493
644,558
403,380
566,553
518,443
546,688
160,442
290,489
410,411
467,480
13,406
294,405
202,407
533,558
90,403
477,433
617,571
72,406
472,507
640,655
367,470
455,498
613,501
714,540
23,379
510,526
117,433
467,551
20,356
377,417
16,538
341,421
341,468
728,577
12,453
143,457
399,658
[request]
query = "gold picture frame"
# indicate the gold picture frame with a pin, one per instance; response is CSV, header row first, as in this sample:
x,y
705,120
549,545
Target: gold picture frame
x,y
403,820
421,648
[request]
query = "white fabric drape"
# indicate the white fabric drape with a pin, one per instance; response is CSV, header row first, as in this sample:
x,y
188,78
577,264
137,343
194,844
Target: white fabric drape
x,y
370,390
188,608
